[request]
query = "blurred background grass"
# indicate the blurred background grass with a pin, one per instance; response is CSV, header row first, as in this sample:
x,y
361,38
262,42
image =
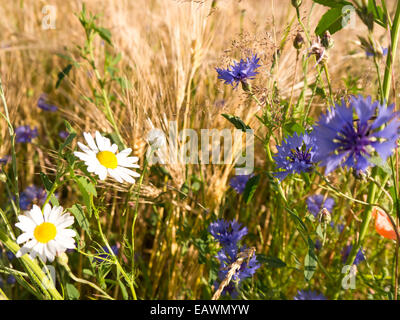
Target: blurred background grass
x,y
169,50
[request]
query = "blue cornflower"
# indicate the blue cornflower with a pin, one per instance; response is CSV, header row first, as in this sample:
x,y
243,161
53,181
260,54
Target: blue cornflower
x,y
238,183
24,134
11,279
228,233
240,72
359,257
30,195
10,255
316,203
371,54
309,295
42,104
343,140
318,244
295,155
63,134
3,161
339,228
229,255
106,254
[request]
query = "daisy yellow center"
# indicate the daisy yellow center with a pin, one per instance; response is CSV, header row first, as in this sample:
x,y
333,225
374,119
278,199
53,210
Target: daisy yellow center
x,y
107,159
45,232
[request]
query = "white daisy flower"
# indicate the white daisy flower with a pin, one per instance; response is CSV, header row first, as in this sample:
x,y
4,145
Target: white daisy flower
x,y
102,158
45,234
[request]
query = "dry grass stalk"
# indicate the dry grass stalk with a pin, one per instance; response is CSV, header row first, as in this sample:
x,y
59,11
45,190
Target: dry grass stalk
x,y
233,268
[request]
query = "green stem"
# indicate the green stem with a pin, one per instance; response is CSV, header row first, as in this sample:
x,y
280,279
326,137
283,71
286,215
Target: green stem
x,y
119,267
328,79
14,182
135,214
394,37
37,274
108,112
79,280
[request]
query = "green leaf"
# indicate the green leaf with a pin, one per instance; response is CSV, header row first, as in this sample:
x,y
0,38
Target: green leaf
x,y
48,185
377,12
320,231
378,161
292,127
88,272
88,190
236,121
124,292
63,74
250,189
80,217
270,262
104,33
69,127
310,261
310,264
331,21
333,3
72,292
67,142
46,181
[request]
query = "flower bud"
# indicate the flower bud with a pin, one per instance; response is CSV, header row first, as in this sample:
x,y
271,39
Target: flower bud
x,y
246,86
296,3
63,258
327,41
324,216
298,41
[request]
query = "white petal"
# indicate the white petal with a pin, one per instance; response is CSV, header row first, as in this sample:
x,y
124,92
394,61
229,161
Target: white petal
x,y
114,148
89,139
102,173
55,214
65,223
40,251
26,223
48,253
26,248
100,141
127,161
24,237
68,233
126,152
114,173
36,215
83,156
126,171
84,148
46,212
51,246
125,175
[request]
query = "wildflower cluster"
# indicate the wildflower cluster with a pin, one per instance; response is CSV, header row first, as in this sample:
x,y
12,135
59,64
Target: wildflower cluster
x,y
229,234
240,72
341,139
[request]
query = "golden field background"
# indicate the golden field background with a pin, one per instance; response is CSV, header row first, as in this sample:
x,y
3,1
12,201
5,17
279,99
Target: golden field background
x,y
170,50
